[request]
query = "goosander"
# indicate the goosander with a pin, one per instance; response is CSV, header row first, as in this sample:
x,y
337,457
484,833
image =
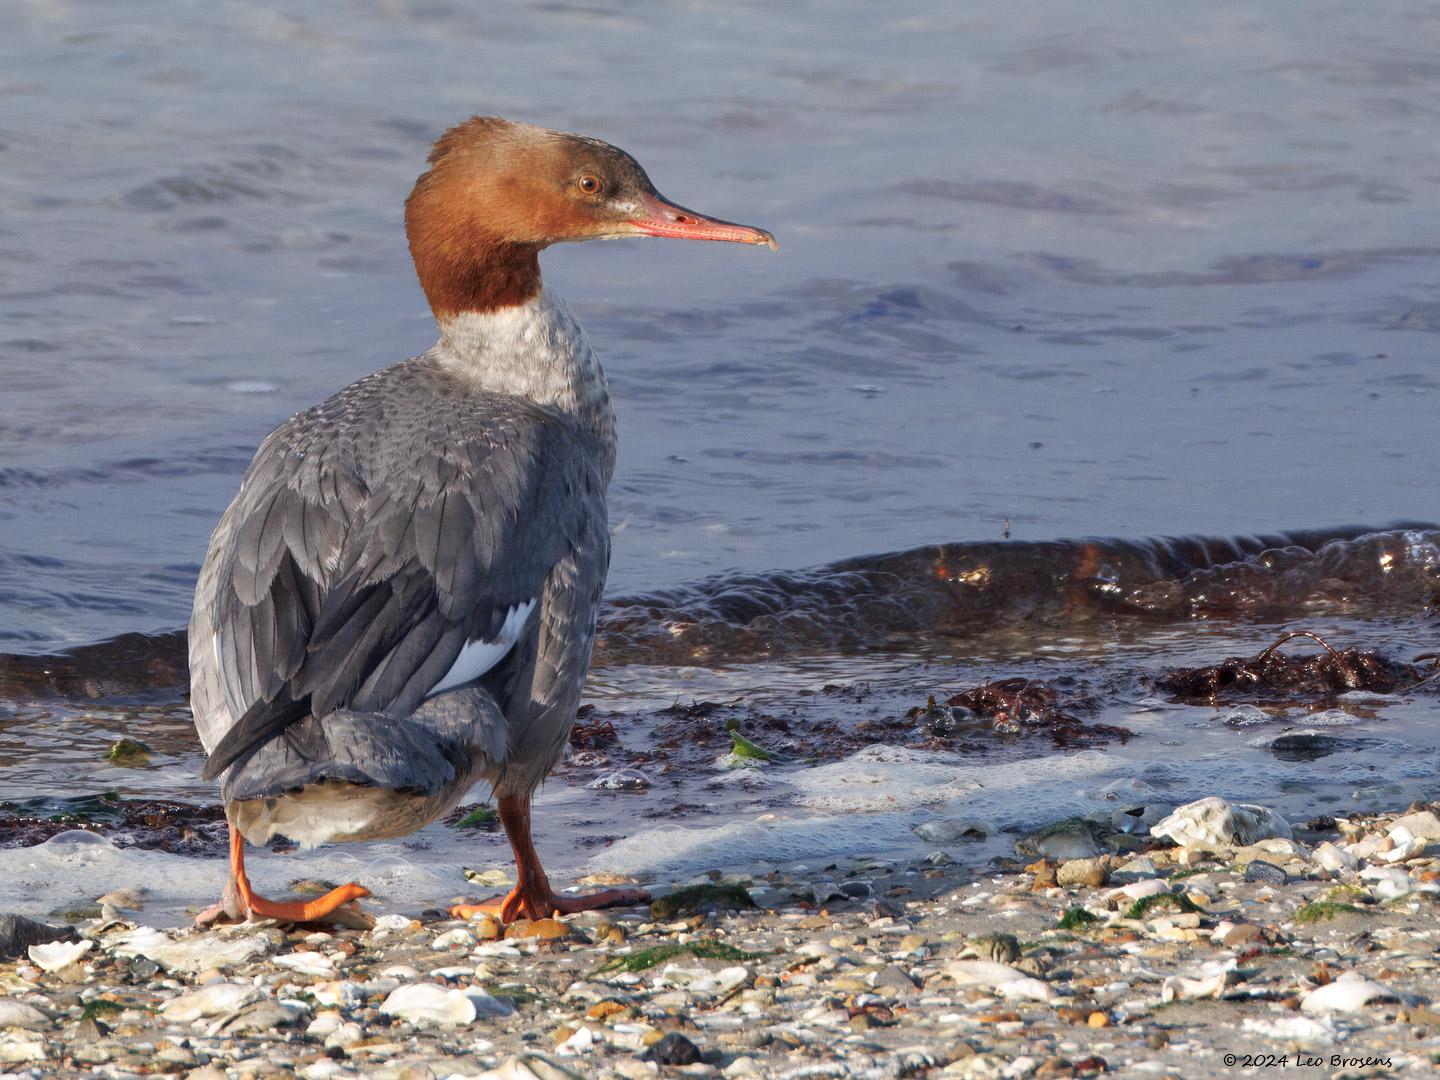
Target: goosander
x,y
401,599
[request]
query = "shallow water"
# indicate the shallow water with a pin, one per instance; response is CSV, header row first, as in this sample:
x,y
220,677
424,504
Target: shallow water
x,y
859,774
696,813
1070,269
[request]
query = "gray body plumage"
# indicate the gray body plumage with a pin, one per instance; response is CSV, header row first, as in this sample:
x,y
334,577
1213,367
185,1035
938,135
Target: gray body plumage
x,y
443,516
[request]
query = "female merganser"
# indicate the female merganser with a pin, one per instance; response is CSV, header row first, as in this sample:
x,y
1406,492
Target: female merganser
x,y
401,600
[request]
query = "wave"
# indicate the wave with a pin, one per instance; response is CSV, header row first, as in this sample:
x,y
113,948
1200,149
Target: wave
x,y
943,592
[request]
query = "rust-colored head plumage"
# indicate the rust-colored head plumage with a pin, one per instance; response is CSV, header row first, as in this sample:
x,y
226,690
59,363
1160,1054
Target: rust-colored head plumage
x,y
497,192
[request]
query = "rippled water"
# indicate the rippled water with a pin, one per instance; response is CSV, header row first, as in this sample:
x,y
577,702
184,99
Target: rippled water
x,y
1186,257
1074,269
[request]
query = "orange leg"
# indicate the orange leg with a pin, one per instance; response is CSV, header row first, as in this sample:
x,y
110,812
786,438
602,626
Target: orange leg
x,y
239,894
532,897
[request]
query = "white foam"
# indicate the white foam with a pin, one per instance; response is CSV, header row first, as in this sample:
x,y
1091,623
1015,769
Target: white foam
x,y
884,778
872,801
68,872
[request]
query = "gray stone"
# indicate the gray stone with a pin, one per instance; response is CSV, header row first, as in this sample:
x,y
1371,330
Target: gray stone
x,y
894,977
1070,838
1269,873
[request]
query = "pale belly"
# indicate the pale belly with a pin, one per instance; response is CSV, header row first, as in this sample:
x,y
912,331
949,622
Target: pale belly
x,y
334,812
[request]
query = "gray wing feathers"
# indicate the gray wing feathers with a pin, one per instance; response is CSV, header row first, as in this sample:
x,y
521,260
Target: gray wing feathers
x,y
367,546
561,651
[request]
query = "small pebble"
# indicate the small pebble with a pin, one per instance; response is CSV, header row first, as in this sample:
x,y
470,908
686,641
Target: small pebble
x,y
674,1049
1269,873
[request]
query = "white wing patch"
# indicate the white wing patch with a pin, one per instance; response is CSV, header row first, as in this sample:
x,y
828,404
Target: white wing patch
x,y
478,657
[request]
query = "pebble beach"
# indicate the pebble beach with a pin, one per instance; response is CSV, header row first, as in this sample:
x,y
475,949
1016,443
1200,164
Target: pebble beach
x,y
1223,941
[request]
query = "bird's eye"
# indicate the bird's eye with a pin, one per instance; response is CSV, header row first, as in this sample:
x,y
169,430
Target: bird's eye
x,y
590,185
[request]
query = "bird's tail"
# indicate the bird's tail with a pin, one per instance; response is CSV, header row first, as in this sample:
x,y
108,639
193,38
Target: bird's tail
x,y
368,749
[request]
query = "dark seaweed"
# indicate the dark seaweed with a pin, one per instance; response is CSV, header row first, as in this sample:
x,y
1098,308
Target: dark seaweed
x,y
1272,676
1017,706
153,824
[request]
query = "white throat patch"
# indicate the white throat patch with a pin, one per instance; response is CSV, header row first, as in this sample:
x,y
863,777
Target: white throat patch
x,y
535,350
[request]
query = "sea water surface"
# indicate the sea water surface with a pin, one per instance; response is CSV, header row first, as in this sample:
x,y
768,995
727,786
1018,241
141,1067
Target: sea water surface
x,y
1052,271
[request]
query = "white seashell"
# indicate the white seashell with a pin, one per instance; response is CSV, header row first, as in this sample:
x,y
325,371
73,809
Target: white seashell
x,y
815,949
730,978
1136,890
307,963
393,922
507,949
1214,822
529,1067
1209,981
580,1043
346,1034
16,1014
704,981
1389,882
675,975
1332,857
1425,825
1402,851
1300,1028
403,972
1349,992
1367,846
55,955
1282,845
1027,989
199,953
458,938
323,1025
429,1005
1184,988
213,1000
982,972
455,971
342,993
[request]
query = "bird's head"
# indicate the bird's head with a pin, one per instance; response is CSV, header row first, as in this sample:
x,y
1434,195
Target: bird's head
x,y
497,192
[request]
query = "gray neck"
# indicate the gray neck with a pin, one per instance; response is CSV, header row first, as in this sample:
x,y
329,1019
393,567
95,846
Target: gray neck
x,y
535,351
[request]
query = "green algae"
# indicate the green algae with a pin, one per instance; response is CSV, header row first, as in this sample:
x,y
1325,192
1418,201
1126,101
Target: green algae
x,y
692,898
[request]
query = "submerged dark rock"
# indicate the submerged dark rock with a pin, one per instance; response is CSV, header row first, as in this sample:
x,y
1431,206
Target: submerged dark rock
x,y
1310,746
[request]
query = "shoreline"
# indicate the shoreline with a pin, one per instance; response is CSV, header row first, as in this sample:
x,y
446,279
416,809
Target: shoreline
x,y
1306,947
